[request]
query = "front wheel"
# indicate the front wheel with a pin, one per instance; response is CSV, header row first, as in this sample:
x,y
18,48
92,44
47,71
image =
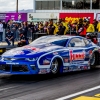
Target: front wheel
x,y
55,66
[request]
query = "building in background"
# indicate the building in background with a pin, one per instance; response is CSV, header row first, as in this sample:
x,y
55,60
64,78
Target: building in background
x,y
62,5
67,6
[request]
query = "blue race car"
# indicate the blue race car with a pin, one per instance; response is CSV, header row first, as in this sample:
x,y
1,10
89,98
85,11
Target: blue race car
x,y
51,54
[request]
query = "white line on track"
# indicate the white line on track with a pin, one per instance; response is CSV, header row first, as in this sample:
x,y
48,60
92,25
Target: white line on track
x,y
78,93
8,88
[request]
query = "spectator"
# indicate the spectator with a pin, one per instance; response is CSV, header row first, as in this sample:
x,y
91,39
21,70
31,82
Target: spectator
x,y
61,29
51,28
90,27
23,40
81,30
13,28
41,27
95,24
1,31
32,29
73,27
9,37
98,28
25,28
45,27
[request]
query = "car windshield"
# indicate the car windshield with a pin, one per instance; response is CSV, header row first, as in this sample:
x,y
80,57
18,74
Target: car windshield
x,y
47,39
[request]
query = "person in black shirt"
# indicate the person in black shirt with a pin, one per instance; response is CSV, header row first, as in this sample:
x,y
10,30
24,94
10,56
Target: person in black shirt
x,y
9,37
32,27
23,40
51,28
25,28
61,29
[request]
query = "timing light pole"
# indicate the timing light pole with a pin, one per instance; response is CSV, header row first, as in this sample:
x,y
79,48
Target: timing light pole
x,y
16,6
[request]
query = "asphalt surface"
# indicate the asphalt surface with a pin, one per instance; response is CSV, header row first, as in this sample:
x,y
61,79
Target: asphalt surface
x,y
48,87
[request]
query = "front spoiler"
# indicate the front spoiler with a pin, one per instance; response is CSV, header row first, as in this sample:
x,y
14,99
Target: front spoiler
x,y
18,63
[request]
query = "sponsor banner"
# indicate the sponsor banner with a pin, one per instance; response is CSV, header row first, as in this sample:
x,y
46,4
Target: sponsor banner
x,y
42,16
98,16
72,16
13,16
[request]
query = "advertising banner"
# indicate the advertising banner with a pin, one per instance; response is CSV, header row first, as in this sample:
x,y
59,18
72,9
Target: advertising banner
x,y
13,16
42,16
77,15
98,16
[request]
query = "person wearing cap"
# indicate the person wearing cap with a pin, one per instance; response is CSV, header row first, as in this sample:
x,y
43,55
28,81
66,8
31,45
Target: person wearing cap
x,y
23,40
9,37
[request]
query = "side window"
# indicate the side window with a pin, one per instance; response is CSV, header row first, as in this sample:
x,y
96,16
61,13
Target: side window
x,y
77,42
86,41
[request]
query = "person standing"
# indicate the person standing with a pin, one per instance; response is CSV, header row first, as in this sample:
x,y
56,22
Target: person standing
x,y
98,34
61,29
81,28
32,29
25,28
51,28
1,31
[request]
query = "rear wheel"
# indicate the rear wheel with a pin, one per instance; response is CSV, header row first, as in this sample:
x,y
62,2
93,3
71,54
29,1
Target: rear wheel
x,y
55,66
93,60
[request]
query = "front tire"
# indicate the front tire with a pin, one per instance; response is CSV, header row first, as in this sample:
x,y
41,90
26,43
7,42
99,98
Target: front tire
x,y
55,66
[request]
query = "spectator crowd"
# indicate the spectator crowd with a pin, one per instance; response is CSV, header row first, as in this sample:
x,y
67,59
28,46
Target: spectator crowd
x,y
13,30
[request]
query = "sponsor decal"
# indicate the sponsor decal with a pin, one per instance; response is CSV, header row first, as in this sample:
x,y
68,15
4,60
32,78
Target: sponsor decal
x,y
90,52
14,53
22,52
46,62
55,53
76,56
66,68
32,48
12,63
85,67
43,71
65,60
77,63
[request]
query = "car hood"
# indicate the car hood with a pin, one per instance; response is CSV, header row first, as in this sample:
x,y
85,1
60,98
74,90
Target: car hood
x,y
31,50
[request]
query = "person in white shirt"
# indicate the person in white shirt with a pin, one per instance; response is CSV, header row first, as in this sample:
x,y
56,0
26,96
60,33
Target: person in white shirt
x,y
1,31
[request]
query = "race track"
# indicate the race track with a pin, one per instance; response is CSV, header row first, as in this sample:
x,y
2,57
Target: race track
x,y
46,87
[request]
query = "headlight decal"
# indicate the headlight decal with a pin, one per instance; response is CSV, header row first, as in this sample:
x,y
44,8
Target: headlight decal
x,y
31,59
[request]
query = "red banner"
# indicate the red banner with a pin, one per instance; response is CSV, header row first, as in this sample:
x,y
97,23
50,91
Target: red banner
x,y
77,15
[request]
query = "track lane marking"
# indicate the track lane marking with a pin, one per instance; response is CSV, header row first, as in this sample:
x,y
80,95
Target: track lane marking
x,y
97,95
79,93
86,98
8,88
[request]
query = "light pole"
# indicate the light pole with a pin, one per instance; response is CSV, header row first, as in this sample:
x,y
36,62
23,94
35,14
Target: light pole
x,y
16,6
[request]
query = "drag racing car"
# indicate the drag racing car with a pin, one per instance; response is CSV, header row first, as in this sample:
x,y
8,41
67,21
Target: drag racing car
x,y
51,54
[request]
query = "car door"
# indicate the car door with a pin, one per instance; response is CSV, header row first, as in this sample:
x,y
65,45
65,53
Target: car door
x,y
77,54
